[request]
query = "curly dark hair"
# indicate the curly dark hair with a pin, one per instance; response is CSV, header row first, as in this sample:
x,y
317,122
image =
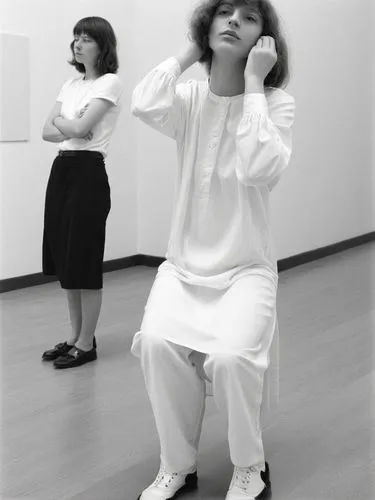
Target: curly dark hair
x,y
201,22
102,32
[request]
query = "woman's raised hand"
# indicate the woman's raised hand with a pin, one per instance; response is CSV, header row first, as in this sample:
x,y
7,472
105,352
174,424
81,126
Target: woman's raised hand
x,y
261,59
189,55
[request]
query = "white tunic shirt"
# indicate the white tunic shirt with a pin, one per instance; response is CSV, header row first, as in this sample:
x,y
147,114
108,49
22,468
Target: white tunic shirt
x,y
231,153
77,93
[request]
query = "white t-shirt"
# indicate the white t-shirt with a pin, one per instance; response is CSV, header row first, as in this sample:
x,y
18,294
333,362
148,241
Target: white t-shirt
x,y
75,94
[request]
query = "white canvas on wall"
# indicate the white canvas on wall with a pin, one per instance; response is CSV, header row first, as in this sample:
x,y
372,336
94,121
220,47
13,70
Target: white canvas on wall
x,y
14,87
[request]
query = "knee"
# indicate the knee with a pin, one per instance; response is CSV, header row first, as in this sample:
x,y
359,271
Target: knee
x,y
221,362
145,344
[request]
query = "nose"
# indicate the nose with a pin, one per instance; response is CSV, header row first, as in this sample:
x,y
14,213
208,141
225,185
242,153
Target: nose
x,y
234,19
77,43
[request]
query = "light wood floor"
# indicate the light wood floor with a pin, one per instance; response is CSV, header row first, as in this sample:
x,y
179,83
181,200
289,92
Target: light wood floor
x,y
88,433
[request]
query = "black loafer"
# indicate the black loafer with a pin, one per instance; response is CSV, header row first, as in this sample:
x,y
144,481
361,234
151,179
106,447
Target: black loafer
x,y
55,352
60,350
76,358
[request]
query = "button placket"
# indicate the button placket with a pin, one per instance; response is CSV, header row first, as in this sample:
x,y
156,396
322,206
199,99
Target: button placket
x,y
206,175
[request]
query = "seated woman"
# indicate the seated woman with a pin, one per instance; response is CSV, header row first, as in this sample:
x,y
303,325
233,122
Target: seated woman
x,y
216,292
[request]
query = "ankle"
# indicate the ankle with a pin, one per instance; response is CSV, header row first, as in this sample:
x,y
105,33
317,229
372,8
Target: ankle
x,y
83,346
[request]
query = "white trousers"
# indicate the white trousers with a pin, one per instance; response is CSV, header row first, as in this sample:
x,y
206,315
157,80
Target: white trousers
x,y
177,396
228,334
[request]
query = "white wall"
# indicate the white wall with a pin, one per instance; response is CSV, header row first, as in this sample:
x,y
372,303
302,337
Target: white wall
x,y
373,107
25,166
156,154
324,197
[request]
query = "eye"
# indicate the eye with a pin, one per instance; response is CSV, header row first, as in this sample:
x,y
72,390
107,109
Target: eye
x,y
223,12
251,18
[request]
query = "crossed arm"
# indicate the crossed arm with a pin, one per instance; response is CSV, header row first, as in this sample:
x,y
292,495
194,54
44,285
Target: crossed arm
x,y
50,132
58,129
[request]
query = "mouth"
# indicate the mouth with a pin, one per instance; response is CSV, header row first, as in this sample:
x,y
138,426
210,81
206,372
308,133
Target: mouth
x,y
230,33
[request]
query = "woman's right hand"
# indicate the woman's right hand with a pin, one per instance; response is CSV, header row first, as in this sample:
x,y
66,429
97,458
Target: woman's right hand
x,y
88,137
82,111
193,49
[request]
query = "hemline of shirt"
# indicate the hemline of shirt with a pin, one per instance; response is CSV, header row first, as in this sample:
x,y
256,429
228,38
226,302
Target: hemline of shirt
x,y
220,281
97,150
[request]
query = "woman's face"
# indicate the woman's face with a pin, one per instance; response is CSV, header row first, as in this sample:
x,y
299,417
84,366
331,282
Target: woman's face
x,y
86,50
244,24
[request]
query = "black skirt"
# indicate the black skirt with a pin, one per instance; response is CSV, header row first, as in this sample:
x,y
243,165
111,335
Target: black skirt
x,y
77,204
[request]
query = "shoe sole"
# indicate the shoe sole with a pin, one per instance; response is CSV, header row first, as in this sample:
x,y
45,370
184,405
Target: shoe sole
x,y
62,353
266,494
64,367
191,484
55,356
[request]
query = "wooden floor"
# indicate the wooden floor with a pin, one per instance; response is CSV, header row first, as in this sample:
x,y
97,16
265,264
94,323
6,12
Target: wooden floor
x,y
88,433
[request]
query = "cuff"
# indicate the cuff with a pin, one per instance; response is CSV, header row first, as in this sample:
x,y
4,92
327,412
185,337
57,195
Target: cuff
x,y
255,103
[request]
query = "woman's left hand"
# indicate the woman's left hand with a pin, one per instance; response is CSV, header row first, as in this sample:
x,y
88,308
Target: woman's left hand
x,y
88,137
261,59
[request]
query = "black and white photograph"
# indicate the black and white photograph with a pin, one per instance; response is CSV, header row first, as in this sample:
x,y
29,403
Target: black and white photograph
x,y
187,250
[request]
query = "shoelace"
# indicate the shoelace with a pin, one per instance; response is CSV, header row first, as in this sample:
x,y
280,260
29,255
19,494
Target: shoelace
x,y
242,477
164,478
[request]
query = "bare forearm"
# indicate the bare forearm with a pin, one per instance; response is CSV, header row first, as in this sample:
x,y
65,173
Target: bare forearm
x,y
55,138
69,128
53,134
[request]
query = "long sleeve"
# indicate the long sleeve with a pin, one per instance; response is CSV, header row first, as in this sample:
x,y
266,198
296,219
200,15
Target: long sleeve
x,y
159,101
264,138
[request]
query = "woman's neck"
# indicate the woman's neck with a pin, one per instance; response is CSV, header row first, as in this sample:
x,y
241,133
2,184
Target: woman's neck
x,y
227,77
91,73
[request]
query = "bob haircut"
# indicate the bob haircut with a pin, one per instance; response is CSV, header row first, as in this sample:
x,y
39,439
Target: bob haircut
x,y
200,25
102,32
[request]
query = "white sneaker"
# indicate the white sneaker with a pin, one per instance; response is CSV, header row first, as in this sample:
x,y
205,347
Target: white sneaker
x,y
249,483
169,485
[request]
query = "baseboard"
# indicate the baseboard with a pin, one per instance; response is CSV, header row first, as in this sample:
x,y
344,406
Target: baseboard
x,y
320,253
29,280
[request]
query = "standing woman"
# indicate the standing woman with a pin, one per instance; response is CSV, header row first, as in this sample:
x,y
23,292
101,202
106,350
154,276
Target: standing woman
x,y
78,194
215,294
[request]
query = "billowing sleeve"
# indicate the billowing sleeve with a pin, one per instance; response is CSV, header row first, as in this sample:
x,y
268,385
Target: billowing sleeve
x,y
109,87
159,102
264,138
